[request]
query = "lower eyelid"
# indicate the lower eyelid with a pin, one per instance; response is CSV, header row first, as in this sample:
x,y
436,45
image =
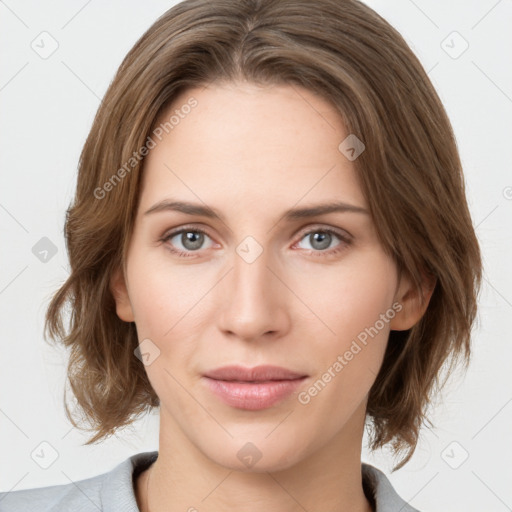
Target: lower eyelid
x,y
344,240
168,236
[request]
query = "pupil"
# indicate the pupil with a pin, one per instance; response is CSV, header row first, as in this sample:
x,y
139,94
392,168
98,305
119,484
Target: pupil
x,y
192,240
322,238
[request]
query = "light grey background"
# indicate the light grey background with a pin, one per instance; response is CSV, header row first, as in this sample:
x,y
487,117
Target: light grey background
x,y
47,107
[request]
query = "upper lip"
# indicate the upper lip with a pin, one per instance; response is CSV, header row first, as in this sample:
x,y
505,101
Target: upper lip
x,y
258,373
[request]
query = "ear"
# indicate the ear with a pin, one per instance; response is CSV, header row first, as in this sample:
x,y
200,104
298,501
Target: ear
x,y
414,302
120,293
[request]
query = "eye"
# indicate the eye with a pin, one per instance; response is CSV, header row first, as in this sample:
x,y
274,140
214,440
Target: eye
x,y
191,240
321,239
186,241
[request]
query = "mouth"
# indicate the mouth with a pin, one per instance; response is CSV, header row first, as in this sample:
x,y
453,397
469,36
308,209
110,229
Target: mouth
x,y
253,388
256,374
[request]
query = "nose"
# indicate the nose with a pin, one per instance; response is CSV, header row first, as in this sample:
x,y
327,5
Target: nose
x,y
254,300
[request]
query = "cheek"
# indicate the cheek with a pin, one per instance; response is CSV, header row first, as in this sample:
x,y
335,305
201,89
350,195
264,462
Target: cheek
x,y
165,297
166,301
172,307
357,308
350,297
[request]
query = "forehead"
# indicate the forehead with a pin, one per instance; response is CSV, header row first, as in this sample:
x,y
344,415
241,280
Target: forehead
x,y
275,144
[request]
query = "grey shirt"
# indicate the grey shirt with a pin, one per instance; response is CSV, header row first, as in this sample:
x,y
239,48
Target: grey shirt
x,y
114,491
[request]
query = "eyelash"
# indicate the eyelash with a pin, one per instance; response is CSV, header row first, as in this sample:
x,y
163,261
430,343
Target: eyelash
x,y
345,241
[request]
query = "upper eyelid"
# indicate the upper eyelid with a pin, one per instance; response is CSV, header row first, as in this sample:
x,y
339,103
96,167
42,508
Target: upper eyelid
x,y
342,233
319,227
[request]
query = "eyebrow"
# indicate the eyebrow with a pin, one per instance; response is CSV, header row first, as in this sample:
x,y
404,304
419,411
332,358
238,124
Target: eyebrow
x,y
288,215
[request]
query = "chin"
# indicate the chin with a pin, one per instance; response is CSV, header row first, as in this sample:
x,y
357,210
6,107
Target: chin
x,y
256,454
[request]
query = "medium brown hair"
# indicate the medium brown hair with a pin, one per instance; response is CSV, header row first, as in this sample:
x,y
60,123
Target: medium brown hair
x,y
410,173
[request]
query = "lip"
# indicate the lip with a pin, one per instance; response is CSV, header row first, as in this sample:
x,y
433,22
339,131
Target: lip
x,y
253,388
258,373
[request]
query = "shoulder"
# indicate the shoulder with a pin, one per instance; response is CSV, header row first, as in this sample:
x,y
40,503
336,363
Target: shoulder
x,y
82,495
386,498
109,491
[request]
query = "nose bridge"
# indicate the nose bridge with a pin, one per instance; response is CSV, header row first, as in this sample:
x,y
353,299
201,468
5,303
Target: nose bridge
x,y
250,274
253,304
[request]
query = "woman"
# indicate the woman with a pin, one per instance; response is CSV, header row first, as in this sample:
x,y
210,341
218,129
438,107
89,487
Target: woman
x,y
270,242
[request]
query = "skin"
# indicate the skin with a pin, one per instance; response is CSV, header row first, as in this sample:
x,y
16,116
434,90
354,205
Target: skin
x,y
252,153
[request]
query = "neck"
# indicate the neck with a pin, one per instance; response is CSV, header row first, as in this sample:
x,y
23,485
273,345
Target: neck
x,y
184,478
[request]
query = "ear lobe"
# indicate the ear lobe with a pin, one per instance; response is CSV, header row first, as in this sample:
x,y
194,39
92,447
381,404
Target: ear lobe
x,y
414,302
120,293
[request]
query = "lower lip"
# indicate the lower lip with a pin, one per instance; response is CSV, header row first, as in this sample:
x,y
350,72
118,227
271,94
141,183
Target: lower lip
x,y
253,396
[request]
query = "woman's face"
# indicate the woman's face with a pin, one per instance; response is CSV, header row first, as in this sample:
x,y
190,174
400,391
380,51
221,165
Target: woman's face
x,y
262,283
